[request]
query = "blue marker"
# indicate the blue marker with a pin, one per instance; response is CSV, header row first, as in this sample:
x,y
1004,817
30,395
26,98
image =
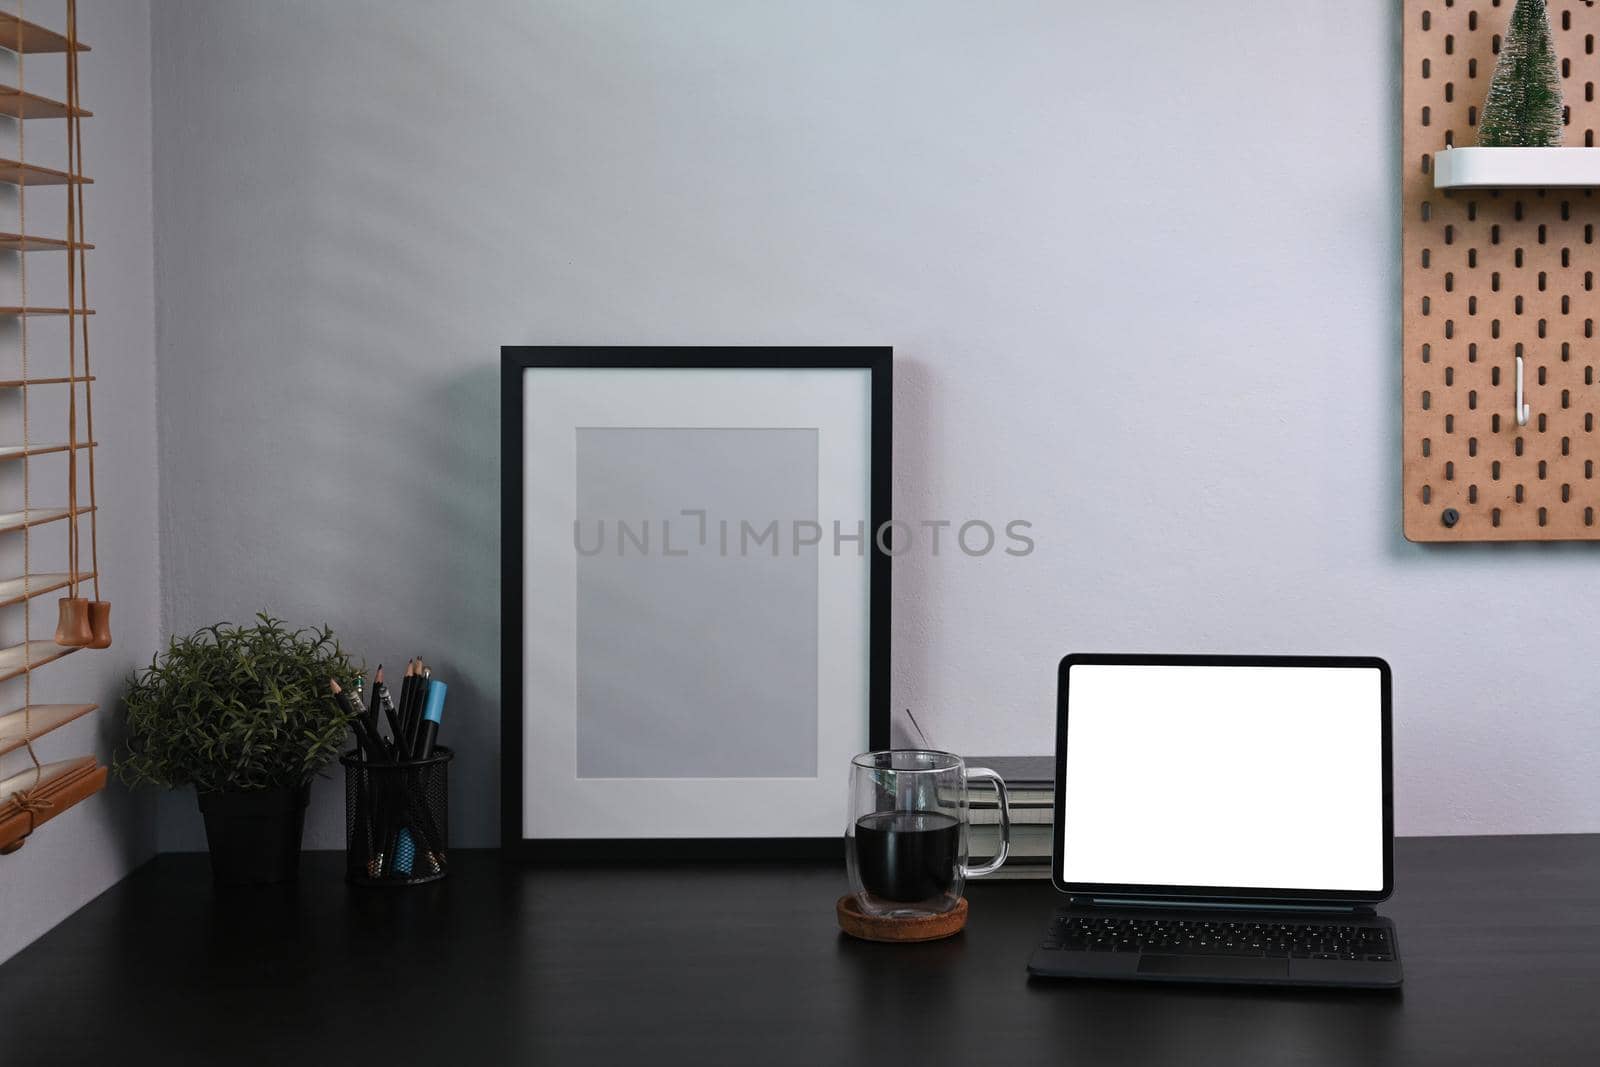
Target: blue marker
x,y
405,853
432,712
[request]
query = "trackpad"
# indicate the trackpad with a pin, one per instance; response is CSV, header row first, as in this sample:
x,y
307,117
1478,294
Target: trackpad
x,y
1214,966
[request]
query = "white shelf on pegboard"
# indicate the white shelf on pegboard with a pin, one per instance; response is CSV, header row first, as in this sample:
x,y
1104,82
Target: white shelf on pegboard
x,y
1516,168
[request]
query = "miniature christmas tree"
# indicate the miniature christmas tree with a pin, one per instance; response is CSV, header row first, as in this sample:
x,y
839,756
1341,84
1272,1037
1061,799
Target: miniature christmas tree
x,y
1523,108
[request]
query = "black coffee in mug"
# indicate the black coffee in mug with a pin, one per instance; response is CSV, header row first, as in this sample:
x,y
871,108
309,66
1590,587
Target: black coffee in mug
x,y
908,855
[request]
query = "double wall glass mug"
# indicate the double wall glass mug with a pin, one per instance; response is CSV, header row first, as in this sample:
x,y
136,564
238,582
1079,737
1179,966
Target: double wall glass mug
x,y
906,842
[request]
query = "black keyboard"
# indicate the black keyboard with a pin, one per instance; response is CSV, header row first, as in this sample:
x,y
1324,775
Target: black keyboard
x,y
1317,940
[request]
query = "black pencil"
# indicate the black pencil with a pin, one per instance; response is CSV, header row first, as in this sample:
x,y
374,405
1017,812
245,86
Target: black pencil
x,y
381,691
377,698
420,698
408,687
419,693
363,796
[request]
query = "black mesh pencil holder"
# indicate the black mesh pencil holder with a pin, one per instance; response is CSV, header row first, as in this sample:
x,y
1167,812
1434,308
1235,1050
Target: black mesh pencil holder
x,y
396,818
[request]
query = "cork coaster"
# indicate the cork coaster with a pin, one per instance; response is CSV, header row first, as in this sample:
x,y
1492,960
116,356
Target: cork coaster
x,y
857,923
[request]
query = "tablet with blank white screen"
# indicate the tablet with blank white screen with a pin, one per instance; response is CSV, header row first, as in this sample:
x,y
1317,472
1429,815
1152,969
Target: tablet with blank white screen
x,y
1248,779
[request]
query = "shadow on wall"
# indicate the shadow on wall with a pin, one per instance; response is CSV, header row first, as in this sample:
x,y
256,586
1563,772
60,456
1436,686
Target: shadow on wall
x,y
915,613
406,565
469,603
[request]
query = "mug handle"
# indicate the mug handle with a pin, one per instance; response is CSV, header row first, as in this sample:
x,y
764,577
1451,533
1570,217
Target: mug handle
x,y
1000,853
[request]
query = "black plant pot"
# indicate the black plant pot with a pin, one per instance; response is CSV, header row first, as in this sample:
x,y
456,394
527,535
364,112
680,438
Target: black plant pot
x,y
254,836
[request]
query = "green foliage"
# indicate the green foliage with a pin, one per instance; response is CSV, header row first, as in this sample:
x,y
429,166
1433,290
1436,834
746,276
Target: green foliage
x,y
237,708
1523,108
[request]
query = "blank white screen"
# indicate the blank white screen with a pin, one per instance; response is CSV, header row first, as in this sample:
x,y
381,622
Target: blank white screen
x,y
1247,777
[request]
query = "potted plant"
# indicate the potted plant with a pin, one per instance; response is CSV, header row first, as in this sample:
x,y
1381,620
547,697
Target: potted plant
x,y
244,714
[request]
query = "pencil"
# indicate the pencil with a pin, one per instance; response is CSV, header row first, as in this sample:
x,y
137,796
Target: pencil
x,y
377,698
414,737
367,817
407,687
390,713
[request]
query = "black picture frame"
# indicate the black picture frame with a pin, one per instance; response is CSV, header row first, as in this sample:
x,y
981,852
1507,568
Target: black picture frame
x,y
515,361
1226,894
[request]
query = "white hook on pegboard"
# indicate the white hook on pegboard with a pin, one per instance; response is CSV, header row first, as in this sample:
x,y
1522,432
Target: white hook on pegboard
x,y
1521,408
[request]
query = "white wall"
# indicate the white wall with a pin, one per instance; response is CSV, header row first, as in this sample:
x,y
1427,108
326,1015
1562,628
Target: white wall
x,y
1138,264
75,856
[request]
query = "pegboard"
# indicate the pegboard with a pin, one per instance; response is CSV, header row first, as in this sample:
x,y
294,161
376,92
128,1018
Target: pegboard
x,y
1487,275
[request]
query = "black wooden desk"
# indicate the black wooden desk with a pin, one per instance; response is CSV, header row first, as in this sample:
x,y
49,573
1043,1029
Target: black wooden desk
x,y
1500,936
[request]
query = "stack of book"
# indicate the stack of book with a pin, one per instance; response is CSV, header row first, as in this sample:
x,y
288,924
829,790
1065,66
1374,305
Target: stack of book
x,y
1030,780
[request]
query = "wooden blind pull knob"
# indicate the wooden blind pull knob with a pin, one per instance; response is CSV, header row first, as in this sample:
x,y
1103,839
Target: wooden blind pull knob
x,y
100,623
73,628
